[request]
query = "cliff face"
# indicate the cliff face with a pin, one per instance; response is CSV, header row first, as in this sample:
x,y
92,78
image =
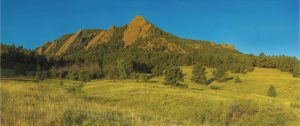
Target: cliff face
x,y
103,36
147,36
137,28
85,39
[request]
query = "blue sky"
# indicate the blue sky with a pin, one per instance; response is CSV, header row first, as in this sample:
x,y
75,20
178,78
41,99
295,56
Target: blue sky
x,y
253,26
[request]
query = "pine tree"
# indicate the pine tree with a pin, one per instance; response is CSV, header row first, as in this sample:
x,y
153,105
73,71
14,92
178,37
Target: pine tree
x,y
220,71
125,67
172,75
198,74
272,91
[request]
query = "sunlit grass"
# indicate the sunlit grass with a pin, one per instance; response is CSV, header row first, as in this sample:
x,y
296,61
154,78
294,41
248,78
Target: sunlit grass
x,y
127,102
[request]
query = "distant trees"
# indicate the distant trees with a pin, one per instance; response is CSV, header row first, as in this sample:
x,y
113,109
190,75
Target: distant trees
x,y
173,74
81,72
20,60
281,62
198,74
119,62
272,91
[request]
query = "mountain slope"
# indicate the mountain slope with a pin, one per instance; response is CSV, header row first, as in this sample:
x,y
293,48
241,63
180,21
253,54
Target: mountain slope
x,y
138,28
147,35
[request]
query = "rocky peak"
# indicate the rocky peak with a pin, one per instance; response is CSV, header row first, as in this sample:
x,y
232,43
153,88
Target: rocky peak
x,y
137,28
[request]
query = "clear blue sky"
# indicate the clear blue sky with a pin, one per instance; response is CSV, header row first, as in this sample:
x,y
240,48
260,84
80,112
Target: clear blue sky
x,y
253,26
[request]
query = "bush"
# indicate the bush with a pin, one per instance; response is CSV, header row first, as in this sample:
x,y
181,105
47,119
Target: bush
x,y
272,91
125,68
199,74
220,71
238,111
237,80
72,76
85,76
172,75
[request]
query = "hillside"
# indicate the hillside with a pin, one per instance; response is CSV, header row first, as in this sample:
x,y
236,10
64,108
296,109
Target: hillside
x,y
128,102
139,47
137,29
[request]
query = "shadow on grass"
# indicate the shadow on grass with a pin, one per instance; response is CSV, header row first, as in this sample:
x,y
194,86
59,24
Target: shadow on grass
x,y
197,89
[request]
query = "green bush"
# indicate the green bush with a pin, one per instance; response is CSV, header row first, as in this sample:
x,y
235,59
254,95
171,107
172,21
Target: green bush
x,y
172,75
272,91
72,76
85,76
198,74
220,71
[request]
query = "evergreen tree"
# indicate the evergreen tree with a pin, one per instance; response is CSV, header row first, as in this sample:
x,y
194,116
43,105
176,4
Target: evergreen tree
x,y
172,75
125,67
262,60
198,74
220,71
272,91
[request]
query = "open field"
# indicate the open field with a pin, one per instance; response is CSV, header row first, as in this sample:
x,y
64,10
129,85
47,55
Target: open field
x,y
131,102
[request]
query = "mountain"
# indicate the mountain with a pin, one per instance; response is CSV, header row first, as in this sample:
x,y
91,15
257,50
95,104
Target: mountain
x,y
139,47
138,29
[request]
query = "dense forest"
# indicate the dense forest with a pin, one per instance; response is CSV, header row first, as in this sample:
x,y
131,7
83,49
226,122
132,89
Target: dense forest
x,y
129,51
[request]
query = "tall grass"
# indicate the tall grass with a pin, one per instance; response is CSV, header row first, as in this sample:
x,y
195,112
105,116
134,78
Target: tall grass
x,y
131,103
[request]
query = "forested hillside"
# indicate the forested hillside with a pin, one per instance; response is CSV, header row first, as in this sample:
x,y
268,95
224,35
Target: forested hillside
x,y
139,47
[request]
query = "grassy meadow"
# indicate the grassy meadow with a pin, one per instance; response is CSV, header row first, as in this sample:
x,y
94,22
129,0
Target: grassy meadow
x,y
132,102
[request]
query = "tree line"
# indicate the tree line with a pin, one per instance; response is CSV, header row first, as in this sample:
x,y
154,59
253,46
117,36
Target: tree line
x,y
112,60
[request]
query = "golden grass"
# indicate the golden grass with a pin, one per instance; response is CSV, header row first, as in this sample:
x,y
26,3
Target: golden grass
x,y
127,102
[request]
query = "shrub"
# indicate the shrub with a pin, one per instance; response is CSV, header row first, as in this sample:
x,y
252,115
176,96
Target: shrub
x,y
220,71
172,75
272,91
72,76
238,111
237,80
125,67
199,74
85,76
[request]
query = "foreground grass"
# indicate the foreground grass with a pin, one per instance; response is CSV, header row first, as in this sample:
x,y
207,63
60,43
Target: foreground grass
x,y
127,102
